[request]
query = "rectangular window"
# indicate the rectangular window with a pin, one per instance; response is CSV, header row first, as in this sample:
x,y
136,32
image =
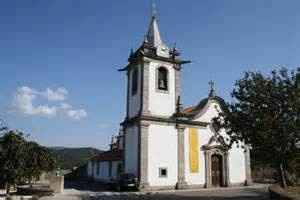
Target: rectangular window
x,y
109,168
163,172
134,81
98,168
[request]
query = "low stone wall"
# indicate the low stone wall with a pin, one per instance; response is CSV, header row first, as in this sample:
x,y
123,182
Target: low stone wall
x,y
277,193
57,184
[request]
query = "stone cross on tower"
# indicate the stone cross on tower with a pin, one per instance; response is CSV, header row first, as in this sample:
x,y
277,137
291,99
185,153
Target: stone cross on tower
x,y
212,92
153,11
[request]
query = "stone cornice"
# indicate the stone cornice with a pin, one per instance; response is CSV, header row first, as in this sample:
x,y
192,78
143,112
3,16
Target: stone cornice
x,y
142,55
181,122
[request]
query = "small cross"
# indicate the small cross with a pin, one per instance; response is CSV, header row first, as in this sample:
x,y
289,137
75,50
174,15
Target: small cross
x,y
153,9
212,85
212,92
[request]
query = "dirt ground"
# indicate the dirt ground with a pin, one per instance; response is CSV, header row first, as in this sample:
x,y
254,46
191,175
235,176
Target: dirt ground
x,y
257,192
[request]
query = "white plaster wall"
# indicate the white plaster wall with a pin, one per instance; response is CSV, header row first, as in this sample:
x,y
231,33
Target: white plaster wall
x,y
162,152
95,166
237,172
161,103
89,169
134,101
210,110
237,165
131,150
103,174
204,134
114,169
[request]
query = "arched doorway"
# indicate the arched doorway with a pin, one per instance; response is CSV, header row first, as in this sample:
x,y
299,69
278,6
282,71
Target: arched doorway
x,y
216,170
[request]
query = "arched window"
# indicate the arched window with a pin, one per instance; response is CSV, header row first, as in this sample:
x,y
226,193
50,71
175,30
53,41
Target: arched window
x,y
162,79
134,81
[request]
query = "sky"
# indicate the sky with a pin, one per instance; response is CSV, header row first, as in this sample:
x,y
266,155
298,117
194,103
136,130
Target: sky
x,y
59,58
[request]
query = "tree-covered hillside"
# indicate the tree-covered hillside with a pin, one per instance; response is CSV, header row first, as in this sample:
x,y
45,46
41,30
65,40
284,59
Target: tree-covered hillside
x,y
68,158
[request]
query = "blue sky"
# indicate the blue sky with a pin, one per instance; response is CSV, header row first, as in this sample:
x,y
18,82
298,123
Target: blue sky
x,y
62,56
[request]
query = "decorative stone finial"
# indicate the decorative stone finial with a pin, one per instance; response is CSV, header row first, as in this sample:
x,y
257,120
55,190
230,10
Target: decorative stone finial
x,y
178,105
174,51
131,52
112,139
212,92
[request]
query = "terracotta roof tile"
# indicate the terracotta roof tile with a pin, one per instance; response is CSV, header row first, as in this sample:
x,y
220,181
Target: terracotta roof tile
x,y
109,156
188,109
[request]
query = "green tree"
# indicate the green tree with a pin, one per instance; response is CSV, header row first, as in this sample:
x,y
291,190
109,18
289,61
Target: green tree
x,y
265,114
12,158
38,159
21,160
3,128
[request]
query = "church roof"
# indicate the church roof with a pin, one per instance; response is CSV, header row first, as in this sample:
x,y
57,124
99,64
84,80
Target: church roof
x,y
194,110
114,155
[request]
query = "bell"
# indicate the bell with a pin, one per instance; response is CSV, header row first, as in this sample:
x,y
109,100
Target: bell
x,y
162,84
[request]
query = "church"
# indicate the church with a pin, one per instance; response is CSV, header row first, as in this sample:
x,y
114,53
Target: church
x,y
163,144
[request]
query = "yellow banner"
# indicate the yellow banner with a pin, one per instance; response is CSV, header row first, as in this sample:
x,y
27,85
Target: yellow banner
x,y
194,150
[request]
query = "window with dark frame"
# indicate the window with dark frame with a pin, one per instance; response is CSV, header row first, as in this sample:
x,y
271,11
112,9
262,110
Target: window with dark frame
x,y
162,79
134,83
163,172
98,168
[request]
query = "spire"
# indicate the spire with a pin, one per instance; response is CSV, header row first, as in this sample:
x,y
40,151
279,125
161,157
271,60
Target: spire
x,y
153,35
212,92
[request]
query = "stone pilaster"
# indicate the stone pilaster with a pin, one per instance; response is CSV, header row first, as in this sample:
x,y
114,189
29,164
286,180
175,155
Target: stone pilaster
x,y
177,83
181,182
127,98
143,155
226,175
145,88
207,169
248,167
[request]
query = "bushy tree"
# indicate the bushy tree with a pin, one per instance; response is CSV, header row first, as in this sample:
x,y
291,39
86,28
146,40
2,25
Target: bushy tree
x,y
12,158
265,114
2,127
38,159
21,160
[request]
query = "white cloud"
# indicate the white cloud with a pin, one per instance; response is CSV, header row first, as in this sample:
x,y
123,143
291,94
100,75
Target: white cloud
x,y
60,94
65,106
23,99
45,110
77,114
25,96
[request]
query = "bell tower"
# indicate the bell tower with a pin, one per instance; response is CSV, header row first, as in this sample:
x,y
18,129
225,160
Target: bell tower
x,y
153,76
153,88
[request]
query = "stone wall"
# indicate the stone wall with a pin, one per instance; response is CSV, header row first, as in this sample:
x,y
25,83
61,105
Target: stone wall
x,y
57,184
277,193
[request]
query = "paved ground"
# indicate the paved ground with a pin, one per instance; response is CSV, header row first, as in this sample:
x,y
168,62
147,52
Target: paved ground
x,y
257,192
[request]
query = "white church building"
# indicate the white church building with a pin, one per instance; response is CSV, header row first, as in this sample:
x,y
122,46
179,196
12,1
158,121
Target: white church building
x,y
163,144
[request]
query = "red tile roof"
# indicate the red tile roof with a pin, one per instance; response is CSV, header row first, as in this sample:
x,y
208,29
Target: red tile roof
x,y
188,109
109,156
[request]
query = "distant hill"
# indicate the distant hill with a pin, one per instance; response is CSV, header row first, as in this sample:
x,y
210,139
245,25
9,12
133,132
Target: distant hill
x,y
68,158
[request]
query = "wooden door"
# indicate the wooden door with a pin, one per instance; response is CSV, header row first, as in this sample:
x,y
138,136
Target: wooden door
x,y
216,170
